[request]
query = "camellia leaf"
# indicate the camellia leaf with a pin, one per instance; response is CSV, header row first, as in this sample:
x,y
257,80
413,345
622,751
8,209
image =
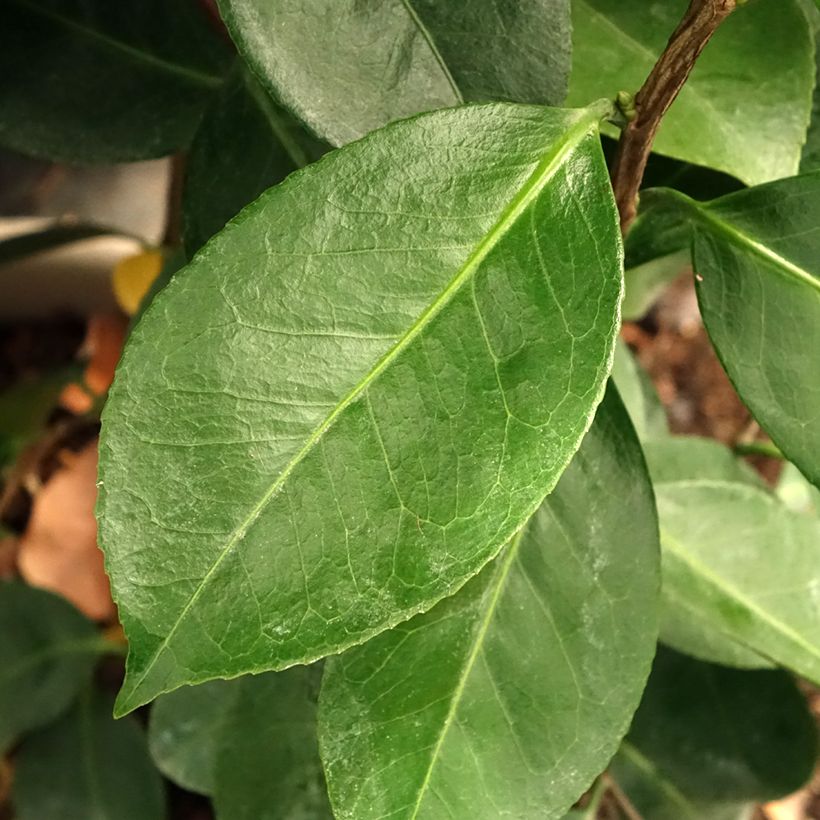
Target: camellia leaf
x,y
97,81
49,650
692,458
743,569
267,764
250,743
638,394
761,59
708,740
245,144
354,396
185,732
758,283
514,692
346,69
87,765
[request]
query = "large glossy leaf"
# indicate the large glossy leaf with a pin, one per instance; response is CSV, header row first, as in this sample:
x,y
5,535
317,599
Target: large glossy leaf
x,y
346,68
708,740
245,144
744,109
48,651
186,730
758,284
267,765
95,81
744,568
508,698
87,765
355,394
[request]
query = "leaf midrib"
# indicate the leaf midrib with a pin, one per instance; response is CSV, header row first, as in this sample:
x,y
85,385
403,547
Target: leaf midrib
x,y
544,171
192,74
431,43
707,574
755,246
642,762
478,643
265,105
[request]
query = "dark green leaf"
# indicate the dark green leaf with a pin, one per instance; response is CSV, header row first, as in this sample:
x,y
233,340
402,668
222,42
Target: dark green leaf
x,y
706,740
186,730
96,81
691,458
744,109
48,651
739,566
810,158
509,697
758,284
245,144
354,396
87,765
348,69
638,394
267,765
250,743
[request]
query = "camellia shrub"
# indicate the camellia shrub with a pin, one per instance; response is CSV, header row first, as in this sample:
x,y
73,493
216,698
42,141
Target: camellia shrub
x,y
394,525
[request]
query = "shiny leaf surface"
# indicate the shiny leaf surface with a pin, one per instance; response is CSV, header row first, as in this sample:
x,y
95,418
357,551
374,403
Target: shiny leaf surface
x,y
514,692
743,568
346,69
744,109
433,354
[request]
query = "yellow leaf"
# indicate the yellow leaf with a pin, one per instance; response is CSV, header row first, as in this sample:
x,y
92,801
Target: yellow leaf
x,y
133,276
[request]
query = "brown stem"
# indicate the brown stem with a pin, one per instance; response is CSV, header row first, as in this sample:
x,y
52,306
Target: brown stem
x,y
656,95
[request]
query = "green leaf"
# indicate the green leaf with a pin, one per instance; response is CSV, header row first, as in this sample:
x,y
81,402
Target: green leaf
x,y
245,144
760,60
740,566
638,394
49,651
87,765
402,344
185,732
267,765
514,692
690,458
810,158
707,740
758,284
346,70
95,81
796,493
250,743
